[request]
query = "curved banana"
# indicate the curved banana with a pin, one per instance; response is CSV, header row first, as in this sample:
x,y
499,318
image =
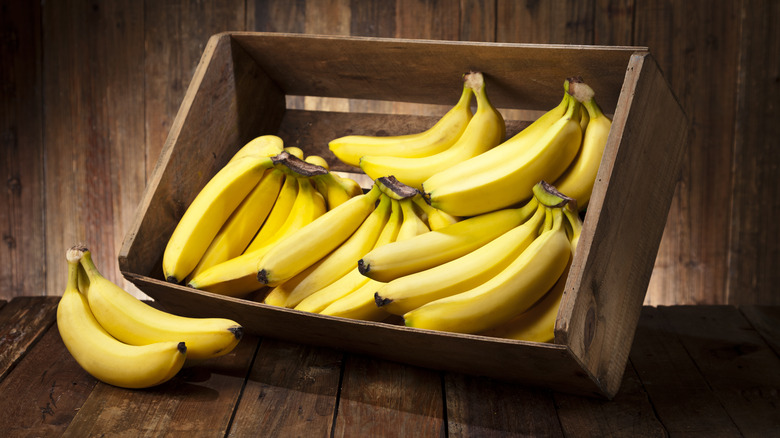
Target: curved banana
x,y
234,237
358,304
278,215
504,175
262,146
436,218
134,322
317,160
436,247
412,224
332,187
351,281
342,259
578,180
484,131
208,212
237,277
439,137
513,290
411,291
103,356
315,240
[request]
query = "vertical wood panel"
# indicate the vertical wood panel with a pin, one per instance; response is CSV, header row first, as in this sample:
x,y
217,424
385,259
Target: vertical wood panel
x,y
22,269
553,22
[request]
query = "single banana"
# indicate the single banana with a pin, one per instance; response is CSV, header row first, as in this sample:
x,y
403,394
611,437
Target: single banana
x,y
436,218
237,277
333,189
103,356
578,180
436,247
411,291
320,299
505,175
234,237
358,304
134,322
315,240
208,212
412,224
512,291
342,259
278,215
484,131
441,136
262,146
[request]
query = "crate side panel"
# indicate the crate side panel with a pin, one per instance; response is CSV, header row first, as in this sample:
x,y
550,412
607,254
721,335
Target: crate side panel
x,y
624,223
229,102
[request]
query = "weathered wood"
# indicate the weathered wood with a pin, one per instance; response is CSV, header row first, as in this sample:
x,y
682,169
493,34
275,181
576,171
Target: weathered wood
x,y
614,22
197,402
390,399
22,322
563,22
22,210
766,320
292,390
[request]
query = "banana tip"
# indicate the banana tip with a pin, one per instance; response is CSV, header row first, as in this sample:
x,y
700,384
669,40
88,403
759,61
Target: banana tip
x,y
171,279
363,267
262,276
381,301
182,347
237,331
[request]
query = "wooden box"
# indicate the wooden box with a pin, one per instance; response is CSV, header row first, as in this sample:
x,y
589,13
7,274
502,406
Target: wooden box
x,y
241,89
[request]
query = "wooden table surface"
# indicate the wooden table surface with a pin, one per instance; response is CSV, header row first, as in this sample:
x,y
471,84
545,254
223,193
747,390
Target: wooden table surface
x,y
706,371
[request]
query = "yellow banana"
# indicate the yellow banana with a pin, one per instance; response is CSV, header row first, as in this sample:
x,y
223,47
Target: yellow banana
x,y
463,273
342,259
358,304
103,356
439,137
237,277
315,240
208,212
436,218
333,189
578,180
505,175
295,152
513,290
278,215
436,247
484,131
263,146
412,224
132,321
317,160
243,224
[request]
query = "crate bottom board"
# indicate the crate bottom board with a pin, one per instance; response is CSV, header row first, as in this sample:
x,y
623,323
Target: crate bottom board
x,y
535,364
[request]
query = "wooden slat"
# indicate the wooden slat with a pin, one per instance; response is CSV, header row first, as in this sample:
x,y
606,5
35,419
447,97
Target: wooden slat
x,y
292,390
381,398
766,320
614,22
682,398
742,370
560,22
197,402
22,322
21,151
477,406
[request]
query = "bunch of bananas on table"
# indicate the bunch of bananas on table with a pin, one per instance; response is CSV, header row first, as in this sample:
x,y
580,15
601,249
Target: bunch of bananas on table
x,y
125,342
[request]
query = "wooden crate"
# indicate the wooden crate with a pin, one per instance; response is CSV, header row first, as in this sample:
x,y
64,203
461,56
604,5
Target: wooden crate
x,y
240,89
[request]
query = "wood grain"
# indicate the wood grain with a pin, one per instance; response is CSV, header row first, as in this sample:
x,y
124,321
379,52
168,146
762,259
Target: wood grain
x,y
21,325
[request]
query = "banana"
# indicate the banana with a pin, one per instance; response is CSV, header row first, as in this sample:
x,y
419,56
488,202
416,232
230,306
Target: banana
x,y
513,290
436,218
237,277
505,175
243,224
406,293
208,212
412,224
578,180
358,304
315,240
278,215
134,322
295,152
103,356
340,261
439,137
436,247
320,299
317,160
485,130
263,146
333,189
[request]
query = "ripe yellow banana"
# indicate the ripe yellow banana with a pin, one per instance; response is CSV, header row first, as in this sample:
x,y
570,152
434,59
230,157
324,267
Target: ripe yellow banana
x,y
505,175
412,224
511,291
134,322
315,240
263,146
103,356
208,212
351,281
234,237
334,189
237,277
358,304
484,131
436,218
436,247
439,137
406,293
317,160
279,214
578,180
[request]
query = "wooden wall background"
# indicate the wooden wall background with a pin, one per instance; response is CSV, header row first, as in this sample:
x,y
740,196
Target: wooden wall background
x,y
90,88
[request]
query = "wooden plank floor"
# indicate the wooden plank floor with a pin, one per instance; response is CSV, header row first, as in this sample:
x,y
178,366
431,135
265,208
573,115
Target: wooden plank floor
x,y
707,371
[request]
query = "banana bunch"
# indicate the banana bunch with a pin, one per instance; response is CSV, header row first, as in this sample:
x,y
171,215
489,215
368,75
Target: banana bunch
x,y
125,342
457,136
263,193
564,146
